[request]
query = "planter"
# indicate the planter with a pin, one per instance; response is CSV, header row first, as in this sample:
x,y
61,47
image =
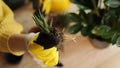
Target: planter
x,y
99,44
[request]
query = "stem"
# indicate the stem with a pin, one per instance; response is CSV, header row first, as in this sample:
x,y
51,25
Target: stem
x,y
96,8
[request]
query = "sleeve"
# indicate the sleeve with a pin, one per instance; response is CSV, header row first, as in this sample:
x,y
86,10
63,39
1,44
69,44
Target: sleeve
x,y
8,27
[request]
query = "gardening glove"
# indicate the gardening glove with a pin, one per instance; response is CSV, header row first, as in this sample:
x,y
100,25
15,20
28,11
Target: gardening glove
x,y
49,56
55,6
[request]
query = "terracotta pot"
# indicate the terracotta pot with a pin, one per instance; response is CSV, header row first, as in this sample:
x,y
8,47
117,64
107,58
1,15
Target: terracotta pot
x,y
99,44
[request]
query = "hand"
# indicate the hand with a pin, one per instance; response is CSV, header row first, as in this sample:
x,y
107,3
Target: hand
x,y
49,56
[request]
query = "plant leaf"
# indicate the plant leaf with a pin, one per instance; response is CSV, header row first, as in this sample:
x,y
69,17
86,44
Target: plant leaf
x,y
41,22
75,28
118,41
51,22
108,34
114,38
86,30
83,16
41,17
73,17
112,18
112,3
101,30
38,21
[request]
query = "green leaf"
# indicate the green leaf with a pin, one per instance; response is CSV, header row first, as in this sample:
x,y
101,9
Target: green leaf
x,y
86,30
114,38
51,22
118,41
101,30
112,19
112,3
73,17
104,31
75,28
38,21
46,26
84,16
41,22
40,16
108,34
90,18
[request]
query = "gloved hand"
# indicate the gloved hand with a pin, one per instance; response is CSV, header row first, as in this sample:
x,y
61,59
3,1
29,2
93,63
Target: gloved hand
x,y
49,56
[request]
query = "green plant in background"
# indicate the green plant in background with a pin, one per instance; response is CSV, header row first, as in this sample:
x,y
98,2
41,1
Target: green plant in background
x,y
94,21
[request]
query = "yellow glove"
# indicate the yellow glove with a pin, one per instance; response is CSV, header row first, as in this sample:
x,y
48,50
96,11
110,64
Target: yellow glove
x,y
48,56
55,6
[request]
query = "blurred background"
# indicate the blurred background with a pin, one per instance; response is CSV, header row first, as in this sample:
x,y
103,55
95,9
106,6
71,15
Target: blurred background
x,y
78,52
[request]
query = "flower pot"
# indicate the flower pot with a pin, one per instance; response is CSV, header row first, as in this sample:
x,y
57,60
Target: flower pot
x,y
99,44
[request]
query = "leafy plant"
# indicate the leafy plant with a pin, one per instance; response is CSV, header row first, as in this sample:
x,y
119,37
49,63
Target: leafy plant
x,y
41,23
49,36
96,22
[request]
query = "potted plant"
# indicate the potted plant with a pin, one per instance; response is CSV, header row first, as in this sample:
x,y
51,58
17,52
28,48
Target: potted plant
x,y
94,21
44,17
